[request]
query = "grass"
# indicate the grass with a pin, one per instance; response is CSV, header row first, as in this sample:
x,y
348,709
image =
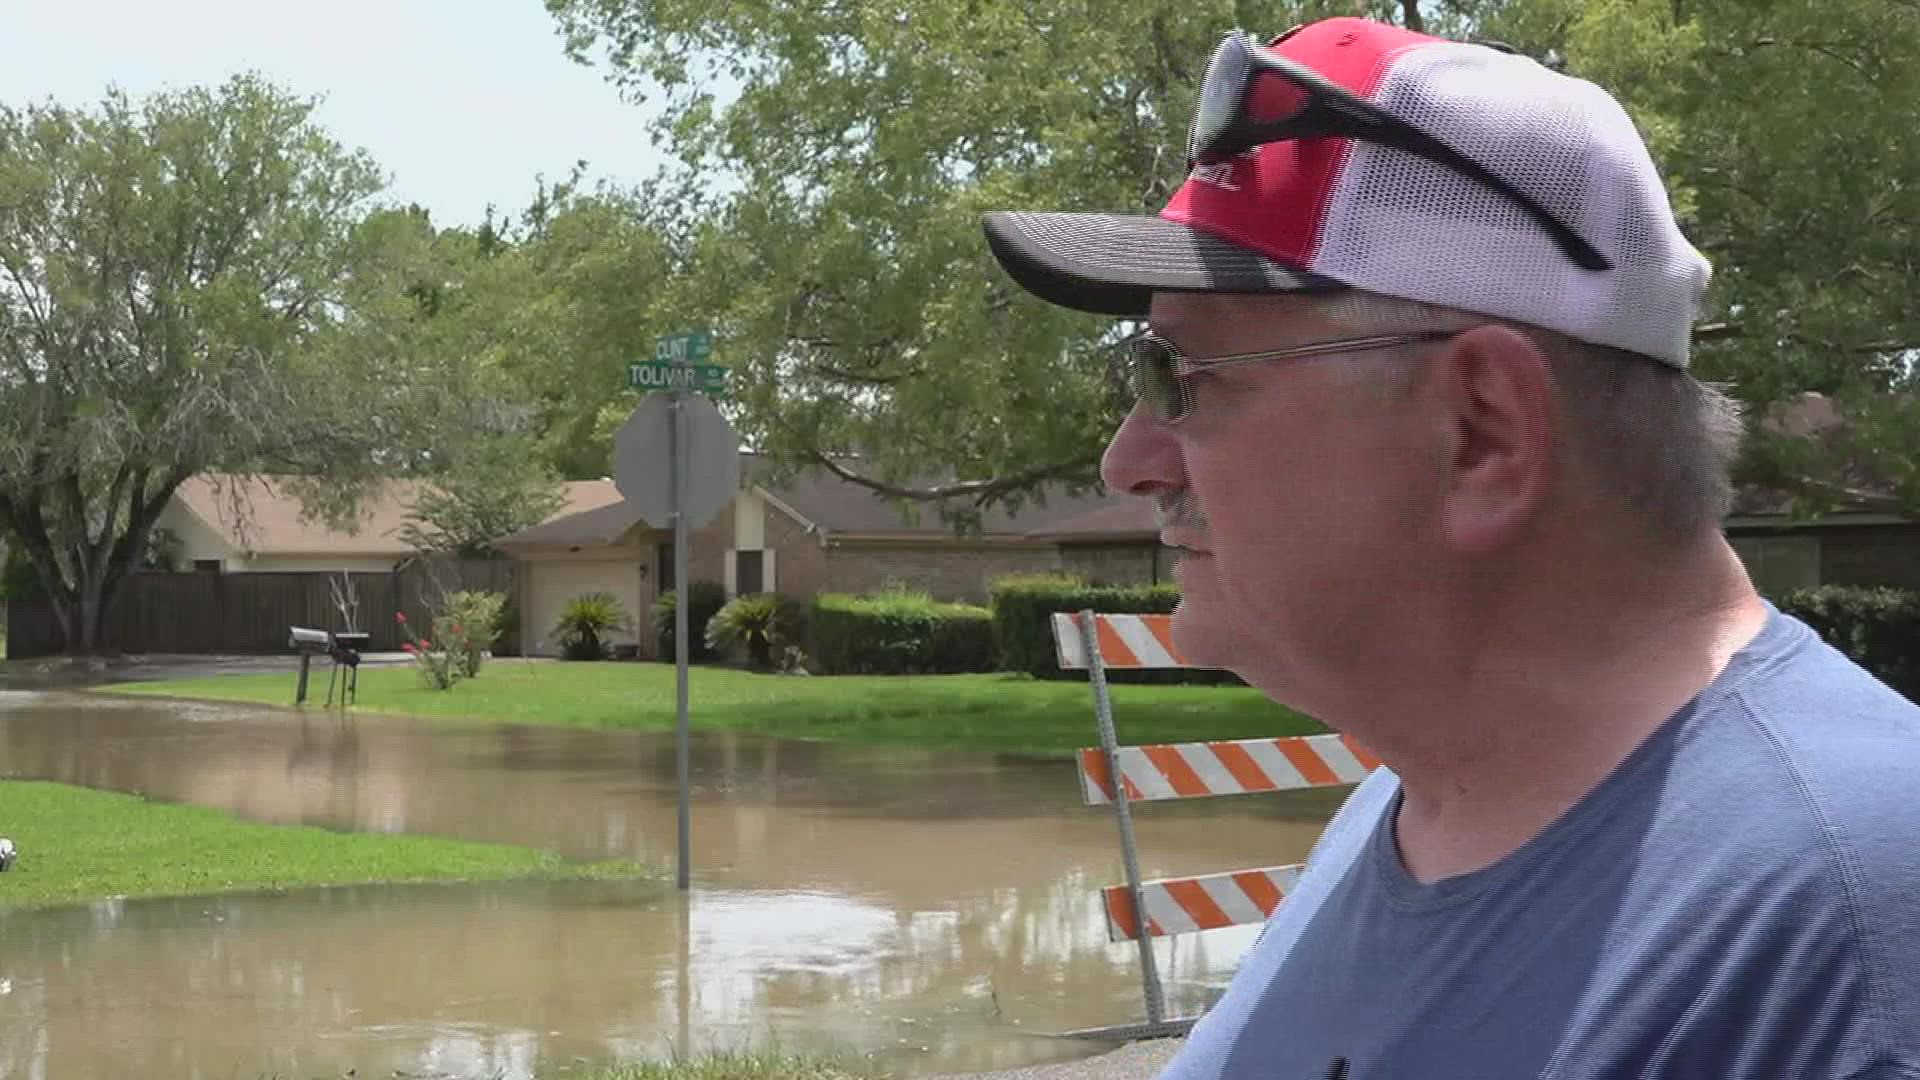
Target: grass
x,y
985,712
77,844
726,1066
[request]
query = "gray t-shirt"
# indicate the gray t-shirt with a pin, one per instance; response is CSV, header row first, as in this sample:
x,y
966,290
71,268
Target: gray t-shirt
x,y
1740,898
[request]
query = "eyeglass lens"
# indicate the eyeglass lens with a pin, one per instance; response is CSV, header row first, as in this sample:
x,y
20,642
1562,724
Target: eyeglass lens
x,y
1153,377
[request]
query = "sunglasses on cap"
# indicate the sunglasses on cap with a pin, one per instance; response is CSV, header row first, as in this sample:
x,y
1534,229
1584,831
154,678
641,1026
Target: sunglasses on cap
x,y
1222,127
1160,376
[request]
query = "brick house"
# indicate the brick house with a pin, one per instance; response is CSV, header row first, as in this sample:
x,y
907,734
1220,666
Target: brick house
x,y
1117,543
810,534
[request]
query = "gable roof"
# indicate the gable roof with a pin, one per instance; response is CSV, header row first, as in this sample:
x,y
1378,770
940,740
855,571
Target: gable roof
x,y
825,501
260,516
601,526
820,501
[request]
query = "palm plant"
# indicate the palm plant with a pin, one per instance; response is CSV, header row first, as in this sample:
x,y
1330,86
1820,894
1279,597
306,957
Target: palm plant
x,y
760,622
585,623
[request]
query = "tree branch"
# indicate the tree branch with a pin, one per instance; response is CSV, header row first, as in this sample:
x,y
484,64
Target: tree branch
x,y
1724,331
981,492
1410,10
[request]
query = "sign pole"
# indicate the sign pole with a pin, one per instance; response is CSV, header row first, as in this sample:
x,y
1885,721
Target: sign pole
x,y
678,465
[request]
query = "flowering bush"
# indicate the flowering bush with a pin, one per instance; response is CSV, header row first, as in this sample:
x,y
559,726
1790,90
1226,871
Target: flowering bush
x,y
473,618
438,668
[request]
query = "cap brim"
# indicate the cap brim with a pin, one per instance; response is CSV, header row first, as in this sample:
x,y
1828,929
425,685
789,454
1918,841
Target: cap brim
x,y
1112,264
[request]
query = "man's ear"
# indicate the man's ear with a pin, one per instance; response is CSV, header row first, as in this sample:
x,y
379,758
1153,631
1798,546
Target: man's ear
x,y
1495,390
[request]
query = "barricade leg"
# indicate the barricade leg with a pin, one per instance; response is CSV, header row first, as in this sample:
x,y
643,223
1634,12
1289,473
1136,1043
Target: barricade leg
x,y
1123,817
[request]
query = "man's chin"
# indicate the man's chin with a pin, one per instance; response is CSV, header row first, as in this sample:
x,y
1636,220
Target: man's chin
x,y
1196,634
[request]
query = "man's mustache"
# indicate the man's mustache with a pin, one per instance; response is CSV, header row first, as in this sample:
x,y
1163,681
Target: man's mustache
x,y
1179,511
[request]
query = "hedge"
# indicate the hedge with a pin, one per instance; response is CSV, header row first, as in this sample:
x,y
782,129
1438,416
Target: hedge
x,y
1879,628
897,633
1023,609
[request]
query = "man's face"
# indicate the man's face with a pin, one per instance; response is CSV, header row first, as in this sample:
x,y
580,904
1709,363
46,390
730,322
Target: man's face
x,y
1299,489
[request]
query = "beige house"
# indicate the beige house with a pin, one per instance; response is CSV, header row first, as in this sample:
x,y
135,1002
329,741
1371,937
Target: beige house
x,y
233,524
810,534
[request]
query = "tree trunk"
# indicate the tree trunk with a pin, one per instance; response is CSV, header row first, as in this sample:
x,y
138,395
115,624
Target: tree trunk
x,y
95,563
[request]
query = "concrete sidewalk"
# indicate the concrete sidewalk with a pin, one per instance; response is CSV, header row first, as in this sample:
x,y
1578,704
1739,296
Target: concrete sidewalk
x,y
1134,1061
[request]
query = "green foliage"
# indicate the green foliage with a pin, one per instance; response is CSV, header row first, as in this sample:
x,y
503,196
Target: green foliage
x,y
197,281
1023,610
495,487
760,622
587,621
474,618
898,633
708,597
844,267
439,661
1878,627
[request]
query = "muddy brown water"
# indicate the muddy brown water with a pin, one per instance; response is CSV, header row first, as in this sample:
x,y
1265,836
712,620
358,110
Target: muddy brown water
x,y
931,911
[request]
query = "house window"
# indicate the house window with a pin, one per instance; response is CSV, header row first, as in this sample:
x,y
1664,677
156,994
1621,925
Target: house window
x,y
206,566
663,566
749,572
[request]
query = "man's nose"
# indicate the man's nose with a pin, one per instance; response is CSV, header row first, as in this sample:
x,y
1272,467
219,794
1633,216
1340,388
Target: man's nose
x,y
1143,458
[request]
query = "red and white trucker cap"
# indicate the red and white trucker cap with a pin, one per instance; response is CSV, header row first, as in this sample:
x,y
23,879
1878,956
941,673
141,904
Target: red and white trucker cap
x,y
1327,213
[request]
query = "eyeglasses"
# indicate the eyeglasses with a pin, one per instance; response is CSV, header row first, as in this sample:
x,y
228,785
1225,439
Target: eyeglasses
x,y
1159,375
1319,108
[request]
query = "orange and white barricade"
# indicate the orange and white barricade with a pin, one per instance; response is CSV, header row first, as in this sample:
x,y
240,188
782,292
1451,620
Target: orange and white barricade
x,y
1099,643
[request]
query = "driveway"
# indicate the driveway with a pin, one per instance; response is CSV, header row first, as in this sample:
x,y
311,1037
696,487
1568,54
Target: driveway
x,y
59,672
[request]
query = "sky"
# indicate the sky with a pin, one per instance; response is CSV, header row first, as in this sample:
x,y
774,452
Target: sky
x,y
462,103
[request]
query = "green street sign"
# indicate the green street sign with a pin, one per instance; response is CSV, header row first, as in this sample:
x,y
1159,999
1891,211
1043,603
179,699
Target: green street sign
x,y
656,375
688,348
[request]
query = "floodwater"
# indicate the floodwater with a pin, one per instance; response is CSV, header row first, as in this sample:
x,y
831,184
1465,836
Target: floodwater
x,y
932,911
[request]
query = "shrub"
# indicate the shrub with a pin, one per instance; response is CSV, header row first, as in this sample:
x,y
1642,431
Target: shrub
x,y
898,633
1023,610
475,618
707,598
1879,628
760,622
586,622
437,665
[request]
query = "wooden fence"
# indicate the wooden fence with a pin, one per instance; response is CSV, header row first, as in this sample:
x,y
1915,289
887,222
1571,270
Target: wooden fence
x,y
209,613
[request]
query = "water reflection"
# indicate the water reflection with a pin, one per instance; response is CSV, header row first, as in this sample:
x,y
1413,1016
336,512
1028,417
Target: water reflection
x,y
925,908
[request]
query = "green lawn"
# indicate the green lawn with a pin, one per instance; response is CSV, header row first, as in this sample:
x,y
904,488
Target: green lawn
x,y
77,844
726,1066
987,712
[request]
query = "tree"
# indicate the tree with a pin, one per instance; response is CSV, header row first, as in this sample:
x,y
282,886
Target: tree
x,y
843,268
564,301
495,488
193,283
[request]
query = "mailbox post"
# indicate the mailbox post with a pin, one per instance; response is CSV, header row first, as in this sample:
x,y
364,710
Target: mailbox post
x,y
308,643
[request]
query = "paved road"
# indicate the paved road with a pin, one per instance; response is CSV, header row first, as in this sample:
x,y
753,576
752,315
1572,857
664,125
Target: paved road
x,y
1134,1061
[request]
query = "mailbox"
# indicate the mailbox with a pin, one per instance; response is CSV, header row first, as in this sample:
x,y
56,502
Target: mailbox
x,y
344,649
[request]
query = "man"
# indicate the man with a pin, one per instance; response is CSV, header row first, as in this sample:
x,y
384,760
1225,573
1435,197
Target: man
x,y
1416,409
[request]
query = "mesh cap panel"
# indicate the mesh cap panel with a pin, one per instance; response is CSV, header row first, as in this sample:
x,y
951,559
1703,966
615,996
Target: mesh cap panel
x,y
1400,225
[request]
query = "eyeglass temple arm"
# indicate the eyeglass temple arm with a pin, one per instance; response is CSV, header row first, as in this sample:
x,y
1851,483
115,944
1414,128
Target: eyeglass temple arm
x,y
1412,139
1333,111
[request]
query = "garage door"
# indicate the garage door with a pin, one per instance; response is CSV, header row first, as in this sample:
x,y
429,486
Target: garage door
x,y
555,583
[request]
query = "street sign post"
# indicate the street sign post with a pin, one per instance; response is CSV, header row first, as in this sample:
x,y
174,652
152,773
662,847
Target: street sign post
x,y
677,459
